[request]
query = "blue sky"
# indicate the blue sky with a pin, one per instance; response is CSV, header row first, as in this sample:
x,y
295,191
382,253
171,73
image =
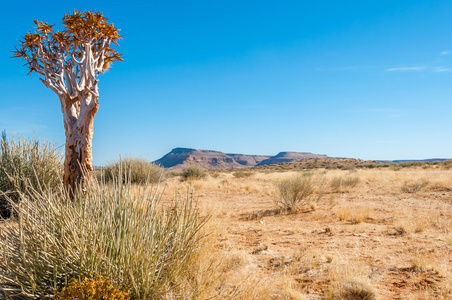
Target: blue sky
x,y
362,79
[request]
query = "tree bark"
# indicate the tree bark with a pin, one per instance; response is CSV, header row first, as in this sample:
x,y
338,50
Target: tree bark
x,y
78,124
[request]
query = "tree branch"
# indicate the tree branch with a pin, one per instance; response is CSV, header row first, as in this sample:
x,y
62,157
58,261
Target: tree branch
x,y
52,87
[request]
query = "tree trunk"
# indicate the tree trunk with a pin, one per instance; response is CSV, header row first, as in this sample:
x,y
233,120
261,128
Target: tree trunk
x,y
78,124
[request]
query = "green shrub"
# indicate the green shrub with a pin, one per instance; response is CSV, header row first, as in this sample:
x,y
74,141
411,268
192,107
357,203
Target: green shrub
x,y
193,172
138,170
141,246
294,192
26,163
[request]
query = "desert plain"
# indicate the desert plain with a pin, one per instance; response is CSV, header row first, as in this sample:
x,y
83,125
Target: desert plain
x,y
364,233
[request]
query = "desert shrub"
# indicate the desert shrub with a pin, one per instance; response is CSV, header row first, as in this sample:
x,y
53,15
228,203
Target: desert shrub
x,y
193,172
340,182
138,170
294,192
26,163
414,186
139,244
95,288
243,174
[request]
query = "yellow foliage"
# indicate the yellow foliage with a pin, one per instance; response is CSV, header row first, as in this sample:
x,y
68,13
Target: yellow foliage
x,y
96,288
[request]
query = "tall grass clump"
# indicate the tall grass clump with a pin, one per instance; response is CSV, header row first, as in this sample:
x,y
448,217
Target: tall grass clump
x,y
26,163
294,192
193,172
140,245
139,170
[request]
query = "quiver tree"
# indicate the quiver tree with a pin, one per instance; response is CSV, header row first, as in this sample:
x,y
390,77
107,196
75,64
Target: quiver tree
x,y
69,63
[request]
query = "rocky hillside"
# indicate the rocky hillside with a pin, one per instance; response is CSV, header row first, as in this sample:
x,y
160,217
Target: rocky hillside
x,y
181,158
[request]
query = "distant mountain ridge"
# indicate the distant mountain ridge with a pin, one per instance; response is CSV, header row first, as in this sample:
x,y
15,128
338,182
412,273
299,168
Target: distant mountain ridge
x,y
420,160
180,158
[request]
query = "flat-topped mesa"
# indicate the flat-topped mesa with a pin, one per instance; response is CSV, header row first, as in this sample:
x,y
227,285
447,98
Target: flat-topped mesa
x,y
181,150
181,158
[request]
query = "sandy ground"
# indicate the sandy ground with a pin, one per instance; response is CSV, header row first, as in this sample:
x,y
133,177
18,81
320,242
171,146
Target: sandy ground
x,y
387,235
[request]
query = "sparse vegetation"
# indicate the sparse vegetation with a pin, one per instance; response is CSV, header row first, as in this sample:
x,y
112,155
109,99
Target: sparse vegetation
x,y
26,163
193,172
138,170
357,238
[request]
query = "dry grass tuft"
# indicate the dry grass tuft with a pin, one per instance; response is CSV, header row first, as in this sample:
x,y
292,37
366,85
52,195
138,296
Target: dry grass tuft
x,y
349,281
352,290
353,215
